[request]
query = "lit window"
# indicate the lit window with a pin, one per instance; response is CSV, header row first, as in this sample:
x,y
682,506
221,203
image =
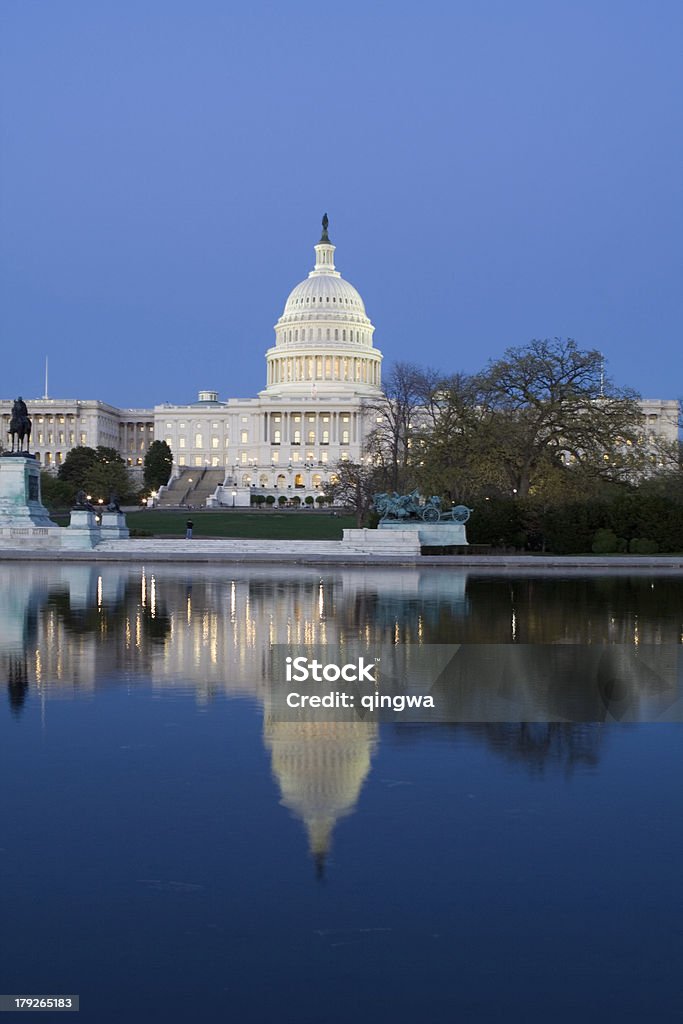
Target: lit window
x,y
214,442
198,441
244,436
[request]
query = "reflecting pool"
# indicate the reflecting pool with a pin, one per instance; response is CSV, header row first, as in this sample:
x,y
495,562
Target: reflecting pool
x,y
174,847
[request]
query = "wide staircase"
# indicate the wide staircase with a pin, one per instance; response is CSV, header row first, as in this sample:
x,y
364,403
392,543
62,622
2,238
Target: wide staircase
x,y
191,488
204,486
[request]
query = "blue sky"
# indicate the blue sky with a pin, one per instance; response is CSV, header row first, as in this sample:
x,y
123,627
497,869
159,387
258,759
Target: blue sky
x,y
493,172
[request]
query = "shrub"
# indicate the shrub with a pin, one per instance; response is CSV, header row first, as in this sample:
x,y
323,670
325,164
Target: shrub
x,y
270,499
643,546
605,542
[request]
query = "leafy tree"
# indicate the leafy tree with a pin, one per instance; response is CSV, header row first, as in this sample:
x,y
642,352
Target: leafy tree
x,y
158,465
270,499
98,471
308,500
76,466
56,494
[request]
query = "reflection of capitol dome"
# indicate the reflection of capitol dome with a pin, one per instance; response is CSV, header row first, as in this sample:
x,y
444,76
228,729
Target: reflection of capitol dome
x,y
323,340
320,768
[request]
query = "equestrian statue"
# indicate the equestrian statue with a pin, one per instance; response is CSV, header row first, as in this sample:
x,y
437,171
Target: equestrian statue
x,y
20,426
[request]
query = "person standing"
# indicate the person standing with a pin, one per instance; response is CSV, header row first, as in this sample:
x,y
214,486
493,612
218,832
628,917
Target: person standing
x,y
189,526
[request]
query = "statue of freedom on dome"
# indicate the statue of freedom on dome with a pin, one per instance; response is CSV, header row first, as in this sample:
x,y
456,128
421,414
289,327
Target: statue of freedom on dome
x,y
325,237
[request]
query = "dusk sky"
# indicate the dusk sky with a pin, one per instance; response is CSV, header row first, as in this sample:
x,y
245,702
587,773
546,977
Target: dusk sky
x,y
493,172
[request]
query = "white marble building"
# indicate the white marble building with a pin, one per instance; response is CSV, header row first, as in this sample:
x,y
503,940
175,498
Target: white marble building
x,y
60,424
320,374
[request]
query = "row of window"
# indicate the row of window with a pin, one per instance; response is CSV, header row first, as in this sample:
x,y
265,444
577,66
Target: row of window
x,y
56,459
357,336
325,298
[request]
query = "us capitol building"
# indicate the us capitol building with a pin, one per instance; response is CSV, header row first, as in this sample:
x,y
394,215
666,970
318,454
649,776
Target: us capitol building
x,y
322,373
319,373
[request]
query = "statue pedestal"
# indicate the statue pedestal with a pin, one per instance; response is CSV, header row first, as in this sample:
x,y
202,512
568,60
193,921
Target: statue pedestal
x,y
24,520
114,526
82,533
431,535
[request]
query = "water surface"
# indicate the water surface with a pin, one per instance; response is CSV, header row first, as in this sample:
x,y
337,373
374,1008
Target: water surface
x,y
173,849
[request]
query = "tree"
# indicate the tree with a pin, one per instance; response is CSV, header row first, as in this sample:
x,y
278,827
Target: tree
x,y
56,494
99,471
76,466
353,485
158,465
549,401
452,456
395,417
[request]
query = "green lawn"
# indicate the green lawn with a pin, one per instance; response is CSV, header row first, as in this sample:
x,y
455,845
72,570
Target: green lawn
x,y
294,525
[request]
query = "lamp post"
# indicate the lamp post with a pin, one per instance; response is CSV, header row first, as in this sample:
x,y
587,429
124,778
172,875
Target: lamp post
x,y
234,495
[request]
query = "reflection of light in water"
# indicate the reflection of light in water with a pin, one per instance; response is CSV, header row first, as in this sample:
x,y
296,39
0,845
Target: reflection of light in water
x,y
99,591
397,632
636,634
321,600
153,597
143,589
188,610
213,639
513,625
38,667
138,631
232,601
127,633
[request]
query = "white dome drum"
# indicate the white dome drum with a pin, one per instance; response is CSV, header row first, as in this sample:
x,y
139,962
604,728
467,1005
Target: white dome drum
x,y
323,340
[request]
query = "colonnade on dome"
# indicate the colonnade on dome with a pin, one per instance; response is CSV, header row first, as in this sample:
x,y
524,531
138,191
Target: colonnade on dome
x,y
318,367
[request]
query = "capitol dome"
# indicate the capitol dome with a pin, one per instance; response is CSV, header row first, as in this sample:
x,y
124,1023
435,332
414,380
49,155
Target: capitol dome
x,y
323,340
